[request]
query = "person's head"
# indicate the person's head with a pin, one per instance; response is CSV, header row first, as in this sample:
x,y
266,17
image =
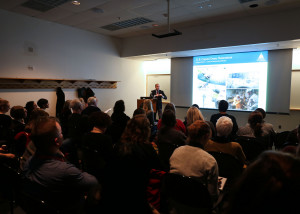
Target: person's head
x,y
66,107
157,86
100,120
46,135
168,119
4,106
255,121
147,105
192,115
223,106
92,101
268,185
224,126
18,112
119,106
43,103
137,130
196,105
138,111
262,111
30,106
199,133
77,106
37,113
170,106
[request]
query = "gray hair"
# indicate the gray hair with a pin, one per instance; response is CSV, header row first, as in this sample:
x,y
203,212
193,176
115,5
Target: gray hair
x,y
76,104
224,126
92,101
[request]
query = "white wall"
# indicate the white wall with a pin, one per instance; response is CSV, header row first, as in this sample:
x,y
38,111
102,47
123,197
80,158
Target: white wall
x,y
62,52
271,27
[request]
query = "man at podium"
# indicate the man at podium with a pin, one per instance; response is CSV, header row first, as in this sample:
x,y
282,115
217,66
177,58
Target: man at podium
x,y
158,95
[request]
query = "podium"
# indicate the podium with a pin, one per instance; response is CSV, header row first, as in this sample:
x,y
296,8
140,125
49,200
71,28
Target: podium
x,y
140,101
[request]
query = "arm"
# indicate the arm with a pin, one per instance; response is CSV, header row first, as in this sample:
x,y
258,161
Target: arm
x,y
163,95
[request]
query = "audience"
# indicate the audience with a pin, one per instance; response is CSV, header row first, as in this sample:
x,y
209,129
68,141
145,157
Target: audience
x,y
59,183
191,159
222,142
223,106
124,155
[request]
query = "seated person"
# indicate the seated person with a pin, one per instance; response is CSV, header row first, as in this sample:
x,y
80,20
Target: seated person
x,y
168,138
43,103
191,160
254,128
221,143
223,106
54,180
119,121
179,124
5,122
97,146
271,184
92,106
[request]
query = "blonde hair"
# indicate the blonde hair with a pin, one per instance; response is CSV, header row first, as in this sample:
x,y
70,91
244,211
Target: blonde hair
x,y
193,114
147,105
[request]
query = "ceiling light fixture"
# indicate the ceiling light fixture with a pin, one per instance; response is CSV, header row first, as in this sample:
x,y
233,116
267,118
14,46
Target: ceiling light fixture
x,y
77,3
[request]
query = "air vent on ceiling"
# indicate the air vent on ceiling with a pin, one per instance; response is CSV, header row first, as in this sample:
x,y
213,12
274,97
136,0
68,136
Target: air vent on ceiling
x,y
126,24
245,1
43,5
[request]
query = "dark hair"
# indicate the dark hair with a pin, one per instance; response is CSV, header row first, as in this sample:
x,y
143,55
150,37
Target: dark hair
x,y
261,111
223,106
168,119
119,106
99,119
36,113
139,111
196,105
29,106
269,185
42,102
137,131
170,106
43,132
255,120
18,112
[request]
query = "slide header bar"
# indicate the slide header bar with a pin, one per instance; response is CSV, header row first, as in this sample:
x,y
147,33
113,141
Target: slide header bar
x,y
233,58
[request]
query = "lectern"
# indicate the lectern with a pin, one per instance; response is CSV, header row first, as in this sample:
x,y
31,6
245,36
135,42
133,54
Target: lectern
x,y
140,101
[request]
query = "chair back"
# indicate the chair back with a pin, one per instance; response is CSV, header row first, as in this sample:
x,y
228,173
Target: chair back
x,y
186,193
252,146
229,166
280,139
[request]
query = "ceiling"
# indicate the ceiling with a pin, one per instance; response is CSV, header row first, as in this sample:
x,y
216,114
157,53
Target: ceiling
x,y
124,18
130,18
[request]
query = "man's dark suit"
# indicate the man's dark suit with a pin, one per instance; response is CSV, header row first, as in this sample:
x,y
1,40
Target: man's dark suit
x,y
159,100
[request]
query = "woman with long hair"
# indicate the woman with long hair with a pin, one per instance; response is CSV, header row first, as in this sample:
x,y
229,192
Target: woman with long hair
x,y
128,176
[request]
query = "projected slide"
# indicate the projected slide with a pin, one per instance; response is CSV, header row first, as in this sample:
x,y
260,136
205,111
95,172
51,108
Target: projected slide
x,y
239,78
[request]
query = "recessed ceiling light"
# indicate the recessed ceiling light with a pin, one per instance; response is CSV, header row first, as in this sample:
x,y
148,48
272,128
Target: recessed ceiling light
x,y
76,3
